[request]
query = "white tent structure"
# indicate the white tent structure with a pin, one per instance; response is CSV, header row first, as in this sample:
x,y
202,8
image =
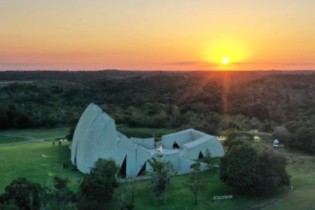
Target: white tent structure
x,y
95,137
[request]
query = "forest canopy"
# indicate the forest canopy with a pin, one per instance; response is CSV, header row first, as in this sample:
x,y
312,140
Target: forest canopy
x,y
208,101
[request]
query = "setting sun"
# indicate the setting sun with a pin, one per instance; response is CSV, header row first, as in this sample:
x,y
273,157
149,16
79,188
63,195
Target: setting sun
x,y
96,35
225,61
227,52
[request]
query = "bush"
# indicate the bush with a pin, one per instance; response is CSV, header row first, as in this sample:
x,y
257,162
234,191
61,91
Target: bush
x,y
23,193
253,170
234,138
99,185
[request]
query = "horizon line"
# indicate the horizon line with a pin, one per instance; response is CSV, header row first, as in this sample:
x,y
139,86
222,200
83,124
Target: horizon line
x,y
146,70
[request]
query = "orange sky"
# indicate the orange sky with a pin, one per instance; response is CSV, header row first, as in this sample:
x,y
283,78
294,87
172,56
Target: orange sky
x,y
157,34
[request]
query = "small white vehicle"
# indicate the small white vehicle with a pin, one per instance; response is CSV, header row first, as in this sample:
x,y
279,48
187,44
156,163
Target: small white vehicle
x,y
276,144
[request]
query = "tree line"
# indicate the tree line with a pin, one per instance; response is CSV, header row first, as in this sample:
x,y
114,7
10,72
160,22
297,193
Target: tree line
x,y
208,101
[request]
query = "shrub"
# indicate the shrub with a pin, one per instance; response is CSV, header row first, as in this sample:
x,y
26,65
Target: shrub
x,y
253,170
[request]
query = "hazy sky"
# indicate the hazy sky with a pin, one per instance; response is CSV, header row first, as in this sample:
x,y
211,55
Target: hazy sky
x,y
157,34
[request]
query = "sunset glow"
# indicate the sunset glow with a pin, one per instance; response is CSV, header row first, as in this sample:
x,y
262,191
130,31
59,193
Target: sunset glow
x,y
157,35
225,61
226,50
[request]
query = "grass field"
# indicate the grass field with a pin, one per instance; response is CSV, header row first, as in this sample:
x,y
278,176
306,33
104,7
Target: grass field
x,y
302,170
37,161
31,154
179,197
10,139
300,199
40,161
10,136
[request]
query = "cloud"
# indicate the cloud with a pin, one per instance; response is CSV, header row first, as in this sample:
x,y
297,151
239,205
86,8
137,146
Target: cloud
x,y
21,66
279,64
299,64
184,63
191,63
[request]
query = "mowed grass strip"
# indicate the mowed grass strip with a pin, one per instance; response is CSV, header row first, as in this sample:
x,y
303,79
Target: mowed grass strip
x,y
10,139
35,134
37,161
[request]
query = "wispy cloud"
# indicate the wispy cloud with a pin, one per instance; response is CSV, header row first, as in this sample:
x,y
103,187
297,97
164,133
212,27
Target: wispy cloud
x,y
279,63
300,64
191,63
20,64
242,65
185,63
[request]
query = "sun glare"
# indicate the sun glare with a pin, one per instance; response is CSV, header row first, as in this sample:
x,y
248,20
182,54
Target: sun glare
x,y
225,52
225,61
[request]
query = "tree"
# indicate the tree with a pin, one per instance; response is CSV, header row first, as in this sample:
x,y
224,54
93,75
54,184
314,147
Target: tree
x,y
105,168
174,112
60,183
24,194
253,170
8,206
69,136
62,197
195,184
303,139
100,184
161,176
125,203
234,138
208,159
283,134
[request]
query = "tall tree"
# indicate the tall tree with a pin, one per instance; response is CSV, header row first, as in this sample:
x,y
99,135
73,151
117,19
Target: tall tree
x,y
99,185
209,160
161,176
125,203
195,184
63,198
303,139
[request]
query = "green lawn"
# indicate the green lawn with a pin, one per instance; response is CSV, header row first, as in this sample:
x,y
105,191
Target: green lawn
x,y
302,171
29,153
300,199
179,197
37,161
9,139
40,160
9,136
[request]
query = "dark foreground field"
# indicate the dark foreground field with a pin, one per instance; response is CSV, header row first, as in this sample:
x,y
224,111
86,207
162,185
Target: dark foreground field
x,y
31,154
